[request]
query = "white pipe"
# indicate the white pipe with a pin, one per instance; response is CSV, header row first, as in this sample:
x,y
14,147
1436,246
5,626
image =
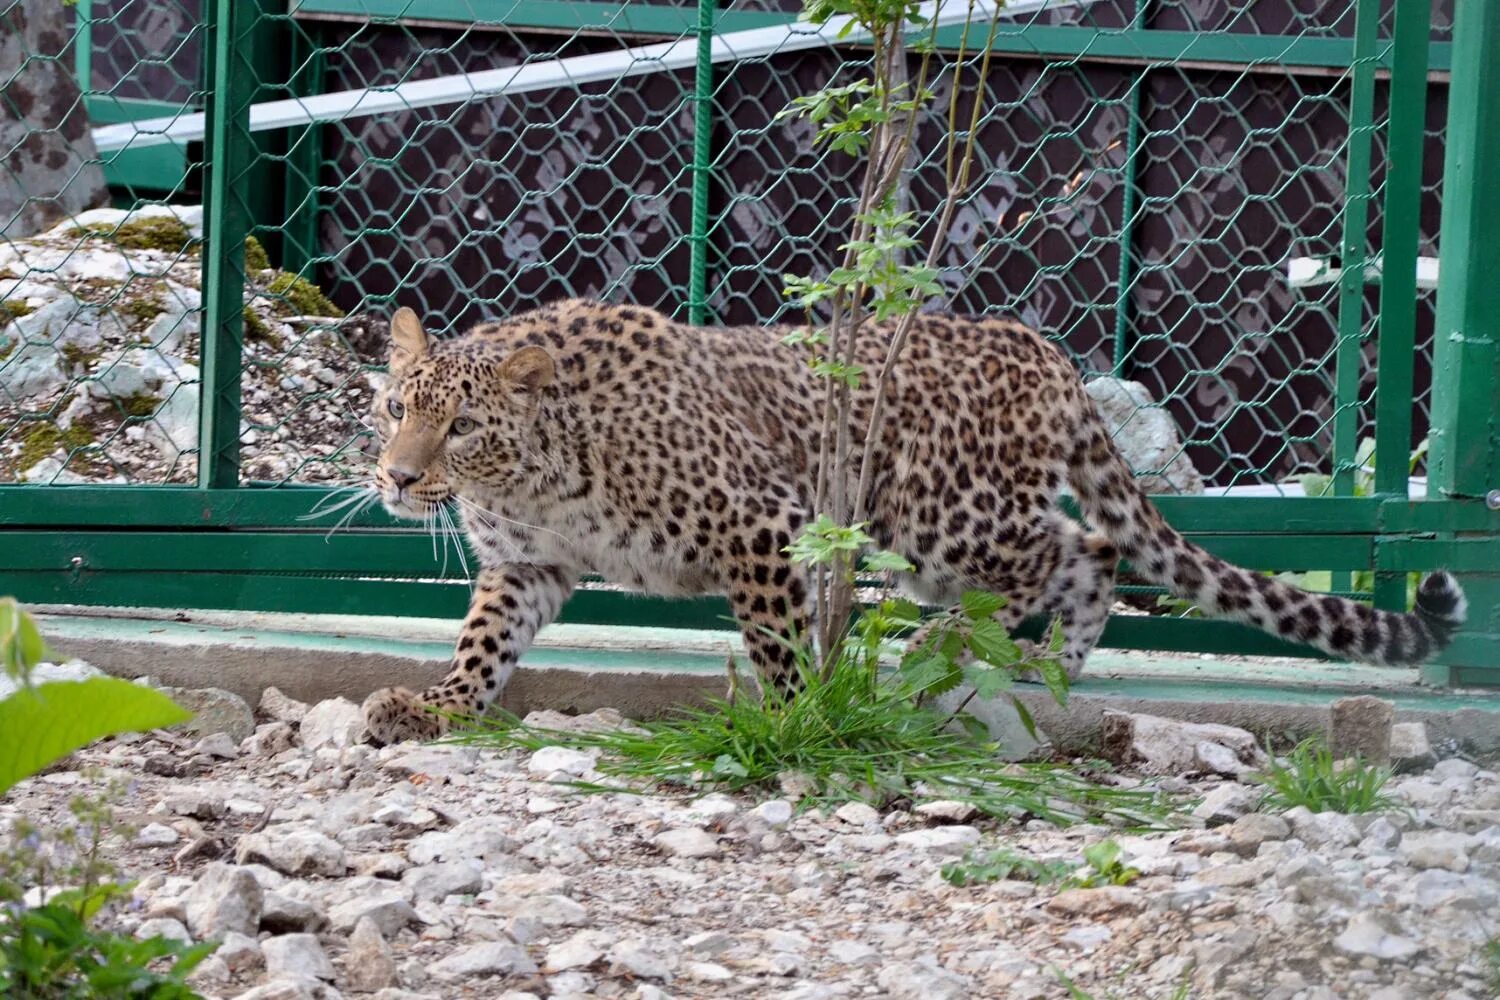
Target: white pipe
x,y
574,71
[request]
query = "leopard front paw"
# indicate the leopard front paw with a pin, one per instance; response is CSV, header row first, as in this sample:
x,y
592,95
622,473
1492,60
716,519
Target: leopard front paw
x,y
394,715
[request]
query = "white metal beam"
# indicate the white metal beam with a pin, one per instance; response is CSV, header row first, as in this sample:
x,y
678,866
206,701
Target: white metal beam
x,y
551,74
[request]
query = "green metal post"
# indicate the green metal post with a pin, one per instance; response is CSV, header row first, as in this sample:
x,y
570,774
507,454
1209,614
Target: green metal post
x,y
1465,433
227,221
1395,387
1354,247
1354,253
299,246
83,44
1130,197
703,123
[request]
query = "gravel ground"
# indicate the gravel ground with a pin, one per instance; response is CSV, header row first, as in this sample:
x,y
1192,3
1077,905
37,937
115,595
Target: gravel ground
x,y
331,868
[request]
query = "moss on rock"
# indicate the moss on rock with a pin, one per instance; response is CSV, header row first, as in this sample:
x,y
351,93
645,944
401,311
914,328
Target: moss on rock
x,y
166,233
256,258
299,297
43,439
13,310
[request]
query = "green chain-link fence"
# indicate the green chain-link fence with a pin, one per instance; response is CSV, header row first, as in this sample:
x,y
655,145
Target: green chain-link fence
x,y
1161,182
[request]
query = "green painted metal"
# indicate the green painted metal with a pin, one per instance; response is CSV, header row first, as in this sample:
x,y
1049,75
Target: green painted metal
x,y
300,249
1124,297
231,154
83,44
160,168
1354,248
560,15
703,159
1465,433
1398,284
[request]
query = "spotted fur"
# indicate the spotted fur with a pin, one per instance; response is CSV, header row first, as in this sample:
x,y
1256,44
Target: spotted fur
x,y
590,438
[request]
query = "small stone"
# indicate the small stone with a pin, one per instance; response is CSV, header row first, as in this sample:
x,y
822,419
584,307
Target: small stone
x,y
438,881
1410,749
279,707
1374,933
916,981
1361,727
489,958
639,959
551,760
1095,902
219,745
1216,758
224,898
269,740
240,952
946,811
1437,849
295,851
857,814
796,785
1247,833
336,723
775,813
1329,829
1168,746
156,835
1454,767
284,915
296,956
709,943
1226,803
214,711
940,839
580,951
707,972
689,842
854,953
285,989
369,964
390,911
164,927
1381,834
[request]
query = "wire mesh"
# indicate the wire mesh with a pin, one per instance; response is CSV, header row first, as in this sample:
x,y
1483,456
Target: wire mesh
x,y
1138,196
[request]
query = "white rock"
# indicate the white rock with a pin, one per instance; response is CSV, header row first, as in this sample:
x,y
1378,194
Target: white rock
x,y
336,722
156,835
857,814
1146,435
1374,933
164,927
436,882
277,706
489,958
775,812
640,959
1322,829
224,898
709,943
239,952
1168,746
550,760
917,981
369,964
295,851
281,914
1437,849
940,839
388,909
1226,803
1454,767
296,956
854,953
688,842
946,811
580,951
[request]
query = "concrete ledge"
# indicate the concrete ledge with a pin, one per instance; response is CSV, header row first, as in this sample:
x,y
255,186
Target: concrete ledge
x,y
647,672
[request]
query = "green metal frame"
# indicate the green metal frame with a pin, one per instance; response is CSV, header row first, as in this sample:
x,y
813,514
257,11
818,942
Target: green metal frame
x,y
223,545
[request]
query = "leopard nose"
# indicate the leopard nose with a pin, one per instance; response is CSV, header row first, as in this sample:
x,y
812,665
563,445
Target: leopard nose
x,y
402,477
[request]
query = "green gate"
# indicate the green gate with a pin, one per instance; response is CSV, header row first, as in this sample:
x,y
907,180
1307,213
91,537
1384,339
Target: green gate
x,y
1236,206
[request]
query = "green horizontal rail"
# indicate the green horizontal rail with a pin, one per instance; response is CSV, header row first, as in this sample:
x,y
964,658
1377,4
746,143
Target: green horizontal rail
x,y
407,553
321,595
1020,38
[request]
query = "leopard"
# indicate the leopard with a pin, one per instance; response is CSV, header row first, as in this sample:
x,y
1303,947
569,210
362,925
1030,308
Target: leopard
x,y
587,438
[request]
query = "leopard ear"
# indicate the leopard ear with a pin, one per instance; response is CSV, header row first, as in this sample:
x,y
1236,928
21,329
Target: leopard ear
x,y
531,368
408,341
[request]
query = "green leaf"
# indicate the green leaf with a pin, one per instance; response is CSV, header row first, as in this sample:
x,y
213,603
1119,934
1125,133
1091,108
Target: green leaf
x,y
1316,484
47,722
902,610
1024,714
1055,677
880,562
726,766
990,642
1102,856
978,604
989,681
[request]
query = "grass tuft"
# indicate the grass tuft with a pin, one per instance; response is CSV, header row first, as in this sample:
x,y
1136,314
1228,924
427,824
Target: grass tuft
x,y
855,736
1311,777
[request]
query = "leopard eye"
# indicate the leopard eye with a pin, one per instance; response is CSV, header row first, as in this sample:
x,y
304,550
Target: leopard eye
x,y
397,408
462,425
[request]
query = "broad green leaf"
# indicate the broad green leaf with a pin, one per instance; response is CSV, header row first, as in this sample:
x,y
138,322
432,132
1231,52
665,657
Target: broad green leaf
x,y
46,723
902,610
879,562
727,766
978,604
989,681
1055,677
990,642
1316,484
1024,714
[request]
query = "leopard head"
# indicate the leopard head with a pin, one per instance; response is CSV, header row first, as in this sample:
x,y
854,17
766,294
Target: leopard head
x,y
454,415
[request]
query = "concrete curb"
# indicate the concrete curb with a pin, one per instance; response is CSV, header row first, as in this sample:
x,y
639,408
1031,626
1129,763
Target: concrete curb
x,y
647,672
